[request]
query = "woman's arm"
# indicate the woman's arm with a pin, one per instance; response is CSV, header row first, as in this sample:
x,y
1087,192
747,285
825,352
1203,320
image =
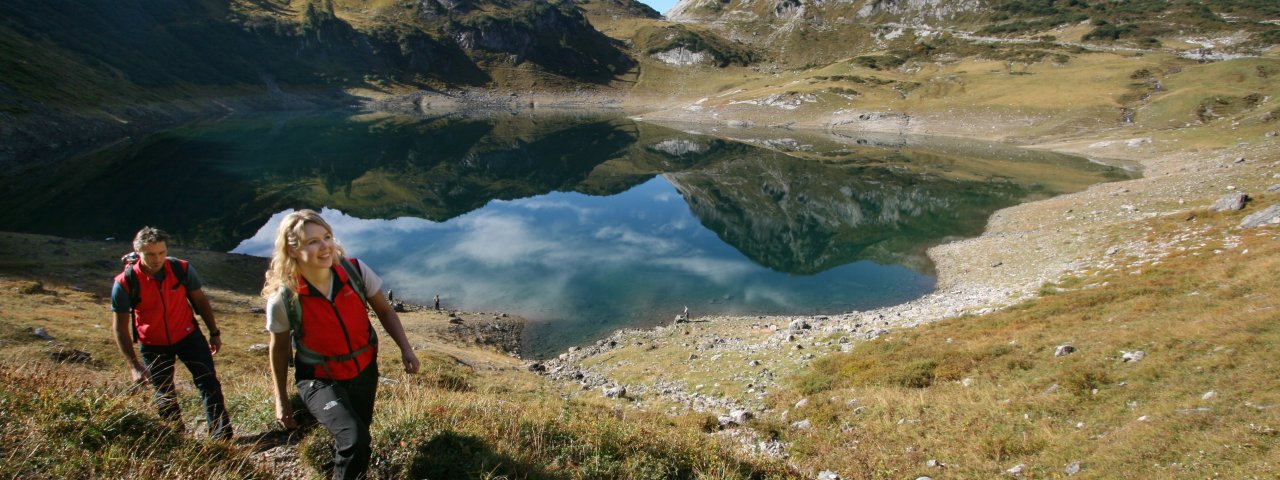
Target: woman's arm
x,y
279,351
391,323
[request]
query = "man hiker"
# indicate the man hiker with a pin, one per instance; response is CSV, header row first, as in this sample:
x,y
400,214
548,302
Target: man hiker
x,y
152,301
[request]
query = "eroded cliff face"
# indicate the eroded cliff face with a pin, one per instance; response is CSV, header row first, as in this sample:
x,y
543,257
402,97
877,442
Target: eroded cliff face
x,y
841,10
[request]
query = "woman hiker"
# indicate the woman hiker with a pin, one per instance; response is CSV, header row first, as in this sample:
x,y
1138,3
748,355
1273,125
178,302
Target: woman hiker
x,y
316,306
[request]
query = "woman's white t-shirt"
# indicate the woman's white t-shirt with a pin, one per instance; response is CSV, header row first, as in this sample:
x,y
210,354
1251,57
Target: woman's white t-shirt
x,y
278,318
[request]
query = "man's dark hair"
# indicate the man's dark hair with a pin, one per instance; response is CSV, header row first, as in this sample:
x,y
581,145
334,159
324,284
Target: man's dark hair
x,y
148,236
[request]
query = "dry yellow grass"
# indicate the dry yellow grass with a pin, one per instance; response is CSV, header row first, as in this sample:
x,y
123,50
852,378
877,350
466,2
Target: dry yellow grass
x,y
982,394
471,413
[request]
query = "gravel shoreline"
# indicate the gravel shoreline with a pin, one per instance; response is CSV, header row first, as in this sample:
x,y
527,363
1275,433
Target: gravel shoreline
x,y
1022,248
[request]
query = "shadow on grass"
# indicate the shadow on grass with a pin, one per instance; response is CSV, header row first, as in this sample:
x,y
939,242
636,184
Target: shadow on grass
x,y
453,455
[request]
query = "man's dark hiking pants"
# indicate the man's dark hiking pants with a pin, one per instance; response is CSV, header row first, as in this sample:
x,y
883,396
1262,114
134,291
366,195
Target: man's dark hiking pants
x,y
345,407
194,353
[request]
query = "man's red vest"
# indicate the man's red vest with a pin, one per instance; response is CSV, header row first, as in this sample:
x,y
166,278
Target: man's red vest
x,y
163,316
336,328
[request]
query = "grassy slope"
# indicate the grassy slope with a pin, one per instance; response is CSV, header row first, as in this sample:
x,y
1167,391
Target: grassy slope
x,y
500,421
471,414
1205,315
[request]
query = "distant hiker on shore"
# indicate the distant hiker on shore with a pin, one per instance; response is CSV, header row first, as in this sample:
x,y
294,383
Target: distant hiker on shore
x,y
158,292
317,303
437,302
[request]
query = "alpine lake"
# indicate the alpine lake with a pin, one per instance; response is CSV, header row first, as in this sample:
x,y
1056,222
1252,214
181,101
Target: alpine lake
x,y
580,223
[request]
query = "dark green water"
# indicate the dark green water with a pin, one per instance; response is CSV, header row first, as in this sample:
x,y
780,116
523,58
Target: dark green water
x,y
581,224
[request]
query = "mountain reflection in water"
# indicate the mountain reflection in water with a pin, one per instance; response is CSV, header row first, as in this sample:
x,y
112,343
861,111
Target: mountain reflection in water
x,y
581,224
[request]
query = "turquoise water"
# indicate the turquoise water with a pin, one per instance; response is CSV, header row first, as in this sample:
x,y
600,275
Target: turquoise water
x,y
580,224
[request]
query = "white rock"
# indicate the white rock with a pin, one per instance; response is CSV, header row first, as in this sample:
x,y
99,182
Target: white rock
x,y
1074,468
1017,470
1134,356
1209,395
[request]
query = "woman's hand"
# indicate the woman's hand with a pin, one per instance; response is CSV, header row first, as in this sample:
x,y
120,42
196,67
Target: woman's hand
x,y
284,415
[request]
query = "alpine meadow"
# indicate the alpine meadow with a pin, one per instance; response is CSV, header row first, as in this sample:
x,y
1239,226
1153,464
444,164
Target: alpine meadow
x,y
747,239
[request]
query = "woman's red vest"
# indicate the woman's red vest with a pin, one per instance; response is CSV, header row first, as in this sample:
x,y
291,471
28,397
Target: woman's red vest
x,y
163,316
335,329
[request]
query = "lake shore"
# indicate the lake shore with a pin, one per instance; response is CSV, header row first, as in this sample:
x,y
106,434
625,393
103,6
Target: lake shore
x,y
1023,248
720,363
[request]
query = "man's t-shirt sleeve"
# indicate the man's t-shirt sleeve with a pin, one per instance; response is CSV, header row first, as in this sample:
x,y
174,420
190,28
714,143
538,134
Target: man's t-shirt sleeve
x,y
193,278
120,302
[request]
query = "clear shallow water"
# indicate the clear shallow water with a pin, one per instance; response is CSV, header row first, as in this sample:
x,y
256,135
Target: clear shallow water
x,y
580,224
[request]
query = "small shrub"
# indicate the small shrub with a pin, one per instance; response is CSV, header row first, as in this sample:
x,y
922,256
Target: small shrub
x,y
1003,442
33,288
1081,381
917,374
815,381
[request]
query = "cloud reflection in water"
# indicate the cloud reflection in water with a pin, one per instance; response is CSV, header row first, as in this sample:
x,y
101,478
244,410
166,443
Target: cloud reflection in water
x,y
579,266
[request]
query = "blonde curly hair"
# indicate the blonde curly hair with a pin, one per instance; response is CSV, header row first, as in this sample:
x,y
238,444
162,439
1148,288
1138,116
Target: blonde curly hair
x,y
283,272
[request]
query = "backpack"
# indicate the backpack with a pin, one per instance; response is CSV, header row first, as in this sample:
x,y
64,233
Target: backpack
x,y
293,309
131,286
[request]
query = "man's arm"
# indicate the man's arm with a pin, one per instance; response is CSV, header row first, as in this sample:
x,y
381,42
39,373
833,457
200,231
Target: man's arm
x,y
124,339
201,302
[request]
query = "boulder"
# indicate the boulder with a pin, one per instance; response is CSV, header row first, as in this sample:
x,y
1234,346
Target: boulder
x,y
1274,188
736,417
616,392
1269,216
41,333
828,475
802,425
798,326
1230,203
259,348
1064,350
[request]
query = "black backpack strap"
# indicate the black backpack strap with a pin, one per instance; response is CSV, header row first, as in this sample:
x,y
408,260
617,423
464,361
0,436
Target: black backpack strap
x,y
179,268
135,297
356,278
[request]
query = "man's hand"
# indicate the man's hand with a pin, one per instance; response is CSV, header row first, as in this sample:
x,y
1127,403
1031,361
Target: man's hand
x,y
140,375
410,361
215,344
